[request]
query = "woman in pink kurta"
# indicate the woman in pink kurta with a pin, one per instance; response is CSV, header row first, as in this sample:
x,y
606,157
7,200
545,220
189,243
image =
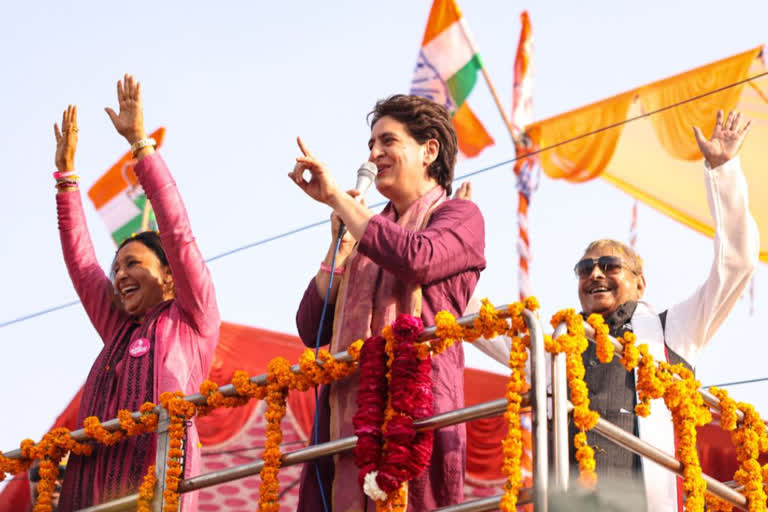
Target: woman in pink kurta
x,y
422,254
157,317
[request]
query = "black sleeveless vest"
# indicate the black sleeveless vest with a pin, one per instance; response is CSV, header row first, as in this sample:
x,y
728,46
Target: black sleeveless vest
x,y
612,395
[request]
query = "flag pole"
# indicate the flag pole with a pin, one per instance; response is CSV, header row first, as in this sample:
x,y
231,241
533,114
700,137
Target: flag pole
x,y
496,99
145,215
487,78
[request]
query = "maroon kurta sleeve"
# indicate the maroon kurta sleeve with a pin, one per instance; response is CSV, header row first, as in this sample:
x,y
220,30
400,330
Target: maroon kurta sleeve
x,y
453,242
308,317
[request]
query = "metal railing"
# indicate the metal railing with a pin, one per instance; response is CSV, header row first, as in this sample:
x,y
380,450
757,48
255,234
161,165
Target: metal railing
x,y
536,399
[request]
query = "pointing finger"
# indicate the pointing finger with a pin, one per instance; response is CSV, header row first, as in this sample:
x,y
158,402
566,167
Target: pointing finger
x,y
302,147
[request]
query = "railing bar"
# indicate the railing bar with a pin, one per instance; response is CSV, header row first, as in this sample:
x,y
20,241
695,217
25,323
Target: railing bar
x,y
640,447
229,389
483,410
560,442
540,435
489,503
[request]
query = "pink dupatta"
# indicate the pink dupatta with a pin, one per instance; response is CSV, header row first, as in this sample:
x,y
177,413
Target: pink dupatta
x,y
369,298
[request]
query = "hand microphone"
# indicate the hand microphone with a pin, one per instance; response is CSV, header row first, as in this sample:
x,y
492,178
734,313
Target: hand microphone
x,y
365,176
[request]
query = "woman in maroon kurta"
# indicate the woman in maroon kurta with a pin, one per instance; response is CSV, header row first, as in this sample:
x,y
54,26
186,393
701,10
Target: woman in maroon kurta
x,y
422,254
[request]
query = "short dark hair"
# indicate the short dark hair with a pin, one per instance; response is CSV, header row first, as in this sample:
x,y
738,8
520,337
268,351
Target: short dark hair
x,y
151,239
424,119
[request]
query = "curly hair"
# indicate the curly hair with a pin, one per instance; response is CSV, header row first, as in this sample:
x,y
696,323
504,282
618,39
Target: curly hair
x,y
424,119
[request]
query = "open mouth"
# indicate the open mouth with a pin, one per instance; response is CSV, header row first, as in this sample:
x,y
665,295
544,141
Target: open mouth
x,y
128,291
598,289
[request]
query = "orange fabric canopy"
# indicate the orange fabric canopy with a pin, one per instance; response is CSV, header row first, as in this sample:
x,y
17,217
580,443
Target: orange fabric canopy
x,y
655,158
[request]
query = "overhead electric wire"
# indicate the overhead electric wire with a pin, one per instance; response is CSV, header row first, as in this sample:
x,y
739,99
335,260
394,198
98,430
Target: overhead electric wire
x,y
737,383
458,178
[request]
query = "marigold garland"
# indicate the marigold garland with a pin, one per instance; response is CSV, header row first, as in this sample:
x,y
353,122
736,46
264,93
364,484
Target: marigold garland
x,y
512,445
147,490
750,438
573,343
675,384
605,348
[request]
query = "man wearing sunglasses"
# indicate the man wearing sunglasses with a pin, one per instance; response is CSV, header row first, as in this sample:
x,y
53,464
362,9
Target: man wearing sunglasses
x,y
611,282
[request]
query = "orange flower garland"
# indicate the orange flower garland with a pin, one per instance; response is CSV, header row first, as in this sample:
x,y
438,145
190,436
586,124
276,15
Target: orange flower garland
x,y
279,380
573,343
147,490
397,500
512,444
680,396
605,348
750,438
631,357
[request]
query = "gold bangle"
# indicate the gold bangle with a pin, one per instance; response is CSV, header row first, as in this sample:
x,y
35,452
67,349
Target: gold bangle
x,y
141,144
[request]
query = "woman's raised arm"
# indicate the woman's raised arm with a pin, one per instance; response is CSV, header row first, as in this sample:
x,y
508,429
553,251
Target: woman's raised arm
x,y
192,280
91,283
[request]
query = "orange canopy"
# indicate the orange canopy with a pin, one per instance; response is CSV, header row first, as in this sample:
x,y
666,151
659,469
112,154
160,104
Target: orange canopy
x,y
655,158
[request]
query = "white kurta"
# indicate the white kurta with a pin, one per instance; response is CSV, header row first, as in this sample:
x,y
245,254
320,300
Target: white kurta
x,y
692,323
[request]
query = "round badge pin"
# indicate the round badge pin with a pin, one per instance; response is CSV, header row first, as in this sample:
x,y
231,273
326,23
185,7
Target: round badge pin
x,y
139,347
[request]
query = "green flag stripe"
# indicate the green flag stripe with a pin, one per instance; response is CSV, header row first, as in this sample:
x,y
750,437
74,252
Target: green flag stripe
x,y
130,227
461,83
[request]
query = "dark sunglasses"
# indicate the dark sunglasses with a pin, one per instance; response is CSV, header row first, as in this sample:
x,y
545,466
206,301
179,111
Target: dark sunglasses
x,y
607,264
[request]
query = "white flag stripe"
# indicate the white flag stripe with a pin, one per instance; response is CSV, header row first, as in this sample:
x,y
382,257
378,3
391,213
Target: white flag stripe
x,y
449,51
118,211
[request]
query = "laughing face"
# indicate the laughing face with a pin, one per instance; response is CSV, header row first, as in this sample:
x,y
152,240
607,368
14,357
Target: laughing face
x,y
401,161
140,279
603,290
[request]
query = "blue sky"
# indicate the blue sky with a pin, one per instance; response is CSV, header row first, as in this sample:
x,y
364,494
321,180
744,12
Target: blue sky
x,y
235,84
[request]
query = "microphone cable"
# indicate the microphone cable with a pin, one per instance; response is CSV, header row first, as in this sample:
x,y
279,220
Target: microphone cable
x,y
315,429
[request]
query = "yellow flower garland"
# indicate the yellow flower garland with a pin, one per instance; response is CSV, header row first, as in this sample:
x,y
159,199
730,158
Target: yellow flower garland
x,y
680,396
605,348
147,490
750,438
573,343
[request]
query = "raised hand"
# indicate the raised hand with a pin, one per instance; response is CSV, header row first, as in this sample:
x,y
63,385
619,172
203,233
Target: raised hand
x,y
321,185
464,191
726,139
130,121
66,140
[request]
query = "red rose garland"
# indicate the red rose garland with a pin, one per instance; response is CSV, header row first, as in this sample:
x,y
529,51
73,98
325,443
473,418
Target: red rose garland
x,y
389,449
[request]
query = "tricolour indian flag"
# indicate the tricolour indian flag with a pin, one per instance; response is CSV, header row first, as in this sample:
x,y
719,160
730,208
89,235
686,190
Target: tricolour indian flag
x,y
120,200
446,72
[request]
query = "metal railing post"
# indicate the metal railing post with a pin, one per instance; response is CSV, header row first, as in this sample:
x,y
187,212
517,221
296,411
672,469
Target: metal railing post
x,y
539,407
560,441
161,458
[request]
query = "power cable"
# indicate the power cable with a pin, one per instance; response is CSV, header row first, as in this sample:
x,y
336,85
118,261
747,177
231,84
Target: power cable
x,y
458,178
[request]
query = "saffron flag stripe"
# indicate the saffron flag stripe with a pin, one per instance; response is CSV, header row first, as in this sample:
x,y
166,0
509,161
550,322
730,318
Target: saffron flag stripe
x,y
442,15
446,72
471,133
449,51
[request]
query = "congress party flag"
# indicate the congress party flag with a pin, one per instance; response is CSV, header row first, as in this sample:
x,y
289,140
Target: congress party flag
x,y
120,200
447,70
